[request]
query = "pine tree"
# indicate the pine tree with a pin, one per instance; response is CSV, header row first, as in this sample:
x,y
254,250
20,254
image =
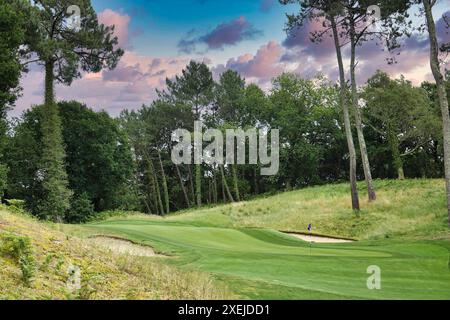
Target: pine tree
x,y
63,49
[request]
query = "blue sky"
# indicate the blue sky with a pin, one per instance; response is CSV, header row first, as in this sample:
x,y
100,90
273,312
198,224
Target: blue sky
x,y
161,36
160,24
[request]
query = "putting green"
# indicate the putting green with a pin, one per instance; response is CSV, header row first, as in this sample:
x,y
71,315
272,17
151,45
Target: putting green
x,y
257,263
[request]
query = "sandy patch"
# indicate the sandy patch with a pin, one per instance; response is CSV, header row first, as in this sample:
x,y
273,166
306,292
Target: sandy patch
x,y
123,246
318,239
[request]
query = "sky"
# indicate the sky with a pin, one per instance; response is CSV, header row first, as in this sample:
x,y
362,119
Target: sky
x,y
160,37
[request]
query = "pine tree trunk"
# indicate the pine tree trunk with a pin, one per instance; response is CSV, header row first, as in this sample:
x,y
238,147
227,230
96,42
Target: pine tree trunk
x,y
158,190
224,197
209,192
235,182
443,101
56,194
183,188
165,187
358,120
151,190
198,184
214,187
49,96
191,183
397,159
347,124
225,184
255,176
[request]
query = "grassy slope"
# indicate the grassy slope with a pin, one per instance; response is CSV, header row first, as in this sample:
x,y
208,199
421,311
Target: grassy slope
x,y
399,234
104,275
404,209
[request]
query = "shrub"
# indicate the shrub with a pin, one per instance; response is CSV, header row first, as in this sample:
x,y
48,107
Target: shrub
x,y
16,203
105,215
81,209
3,179
19,249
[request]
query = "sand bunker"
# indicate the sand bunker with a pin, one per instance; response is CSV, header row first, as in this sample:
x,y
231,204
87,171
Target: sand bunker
x,y
317,239
122,246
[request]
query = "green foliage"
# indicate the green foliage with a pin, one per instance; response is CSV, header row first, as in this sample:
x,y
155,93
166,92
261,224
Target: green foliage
x,y
66,49
194,88
306,113
404,116
11,37
229,96
51,174
81,209
20,204
98,160
20,250
3,179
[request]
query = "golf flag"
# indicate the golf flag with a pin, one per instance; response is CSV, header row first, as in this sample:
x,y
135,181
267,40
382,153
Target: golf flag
x,y
309,227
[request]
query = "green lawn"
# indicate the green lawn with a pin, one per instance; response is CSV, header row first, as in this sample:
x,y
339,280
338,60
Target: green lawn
x,y
240,246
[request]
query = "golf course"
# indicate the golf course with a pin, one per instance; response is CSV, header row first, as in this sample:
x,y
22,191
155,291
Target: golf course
x,y
255,249
262,263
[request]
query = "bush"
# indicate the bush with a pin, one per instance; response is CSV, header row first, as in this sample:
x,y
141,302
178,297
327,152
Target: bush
x,y
105,215
81,209
16,203
3,179
19,249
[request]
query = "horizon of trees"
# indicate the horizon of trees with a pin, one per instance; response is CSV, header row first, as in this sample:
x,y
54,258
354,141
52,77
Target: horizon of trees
x,y
125,162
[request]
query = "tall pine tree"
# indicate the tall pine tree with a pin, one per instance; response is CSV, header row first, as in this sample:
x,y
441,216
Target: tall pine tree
x,y
65,48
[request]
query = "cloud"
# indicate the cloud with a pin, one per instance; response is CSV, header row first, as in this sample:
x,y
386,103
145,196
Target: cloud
x,y
262,66
132,83
442,30
225,34
121,23
299,40
134,80
412,60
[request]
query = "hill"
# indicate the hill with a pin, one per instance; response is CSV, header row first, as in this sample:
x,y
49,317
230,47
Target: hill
x,y
407,209
50,258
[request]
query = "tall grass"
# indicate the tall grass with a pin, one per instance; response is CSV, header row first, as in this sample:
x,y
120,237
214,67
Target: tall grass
x,y
104,275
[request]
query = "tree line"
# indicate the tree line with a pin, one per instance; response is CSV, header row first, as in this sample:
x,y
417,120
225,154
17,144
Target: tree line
x,y
68,162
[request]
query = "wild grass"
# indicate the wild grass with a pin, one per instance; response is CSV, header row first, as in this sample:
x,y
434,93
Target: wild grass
x,y
413,208
104,275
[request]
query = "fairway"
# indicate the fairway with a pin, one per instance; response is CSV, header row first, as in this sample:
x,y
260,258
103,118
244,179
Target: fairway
x,y
266,264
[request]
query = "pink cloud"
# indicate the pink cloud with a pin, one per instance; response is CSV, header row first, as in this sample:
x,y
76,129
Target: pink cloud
x,y
120,22
262,66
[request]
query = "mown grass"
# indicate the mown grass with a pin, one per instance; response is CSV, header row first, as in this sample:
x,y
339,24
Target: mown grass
x,y
404,232
104,275
259,263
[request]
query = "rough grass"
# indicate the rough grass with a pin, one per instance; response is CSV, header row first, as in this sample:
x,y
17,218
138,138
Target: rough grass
x,y
104,275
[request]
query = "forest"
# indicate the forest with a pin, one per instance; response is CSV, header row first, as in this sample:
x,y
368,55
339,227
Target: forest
x,y
68,162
